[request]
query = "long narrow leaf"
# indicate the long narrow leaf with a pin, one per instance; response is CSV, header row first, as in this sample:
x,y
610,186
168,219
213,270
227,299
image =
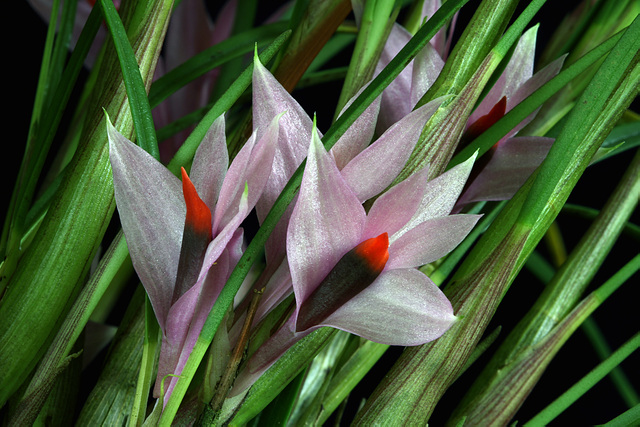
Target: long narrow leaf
x,y
136,90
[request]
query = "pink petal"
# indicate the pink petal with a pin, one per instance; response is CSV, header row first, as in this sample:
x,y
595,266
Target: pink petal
x,y
426,68
518,70
402,307
511,164
326,223
371,172
530,86
251,166
394,208
269,100
440,194
396,102
152,212
429,241
359,134
210,164
220,241
208,292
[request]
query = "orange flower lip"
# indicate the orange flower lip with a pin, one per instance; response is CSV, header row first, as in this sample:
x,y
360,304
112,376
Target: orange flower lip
x,y
198,213
355,271
374,251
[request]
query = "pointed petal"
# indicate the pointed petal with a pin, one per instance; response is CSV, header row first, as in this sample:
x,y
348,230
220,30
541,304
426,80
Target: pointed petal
x,y
511,164
187,316
369,173
252,165
430,240
277,289
439,41
402,307
440,195
359,134
269,100
393,209
326,223
223,237
210,163
530,86
152,213
395,102
518,70
426,69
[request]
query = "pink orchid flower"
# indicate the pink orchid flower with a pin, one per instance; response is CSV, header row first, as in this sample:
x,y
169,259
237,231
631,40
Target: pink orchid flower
x,y
357,271
500,173
184,239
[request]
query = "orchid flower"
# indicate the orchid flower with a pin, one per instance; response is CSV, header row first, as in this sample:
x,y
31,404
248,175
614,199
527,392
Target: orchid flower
x,y
500,173
356,271
184,240
355,158
512,159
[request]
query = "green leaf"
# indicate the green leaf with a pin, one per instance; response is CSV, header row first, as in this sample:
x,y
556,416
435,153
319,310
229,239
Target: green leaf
x,y
74,226
585,384
148,365
283,371
212,57
136,90
490,395
58,353
38,144
593,115
628,418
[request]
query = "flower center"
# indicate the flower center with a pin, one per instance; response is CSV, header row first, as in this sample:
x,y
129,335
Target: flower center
x,y
356,270
195,238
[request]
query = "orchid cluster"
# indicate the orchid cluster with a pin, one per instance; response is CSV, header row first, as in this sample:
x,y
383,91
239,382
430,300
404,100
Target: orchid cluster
x,y
267,260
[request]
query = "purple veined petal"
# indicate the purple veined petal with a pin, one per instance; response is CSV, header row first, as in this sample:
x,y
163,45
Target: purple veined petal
x,y
221,240
269,100
530,86
429,241
275,247
152,212
326,223
518,70
210,164
395,102
535,82
252,165
207,291
371,172
233,186
401,307
266,355
174,336
394,208
511,164
439,41
359,134
520,67
426,68
440,194
277,289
